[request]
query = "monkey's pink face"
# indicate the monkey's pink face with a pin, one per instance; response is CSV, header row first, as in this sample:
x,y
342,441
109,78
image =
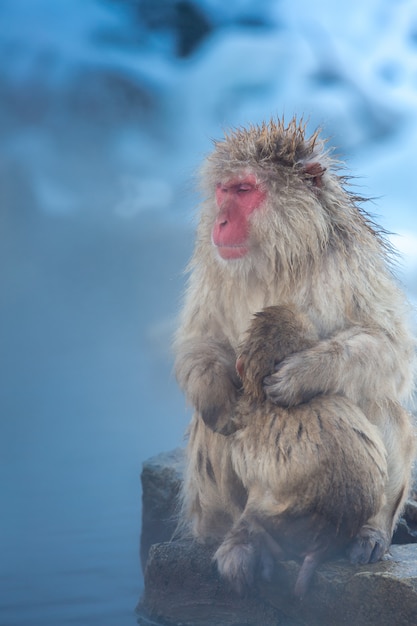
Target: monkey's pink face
x,y
236,199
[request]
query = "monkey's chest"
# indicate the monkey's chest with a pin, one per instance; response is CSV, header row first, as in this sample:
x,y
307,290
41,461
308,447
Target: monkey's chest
x,y
245,304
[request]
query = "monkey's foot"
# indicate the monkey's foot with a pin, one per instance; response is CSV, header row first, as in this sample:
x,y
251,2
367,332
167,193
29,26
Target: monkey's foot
x,y
248,550
369,546
236,563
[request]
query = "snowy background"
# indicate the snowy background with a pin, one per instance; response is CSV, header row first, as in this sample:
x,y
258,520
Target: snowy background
x,y
106,109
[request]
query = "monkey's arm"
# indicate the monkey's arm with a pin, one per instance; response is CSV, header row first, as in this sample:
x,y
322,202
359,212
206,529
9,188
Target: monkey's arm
x,y
357,362
205,369
365,366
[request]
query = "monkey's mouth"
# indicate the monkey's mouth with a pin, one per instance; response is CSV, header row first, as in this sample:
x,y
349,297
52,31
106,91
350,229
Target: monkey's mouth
x,y
232,252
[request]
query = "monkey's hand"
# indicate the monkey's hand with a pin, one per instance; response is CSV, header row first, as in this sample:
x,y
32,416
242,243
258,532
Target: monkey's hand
x,y
369,546
339,364
206,371
296,380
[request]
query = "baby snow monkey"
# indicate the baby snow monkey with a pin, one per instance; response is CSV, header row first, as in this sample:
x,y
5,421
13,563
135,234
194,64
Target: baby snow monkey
x,y
314,473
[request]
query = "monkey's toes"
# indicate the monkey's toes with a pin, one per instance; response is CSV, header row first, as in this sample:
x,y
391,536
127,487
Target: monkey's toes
x,y
218,420
369,546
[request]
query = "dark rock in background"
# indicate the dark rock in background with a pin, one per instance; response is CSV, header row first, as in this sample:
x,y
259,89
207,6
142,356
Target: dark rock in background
x,y
161,480
183,587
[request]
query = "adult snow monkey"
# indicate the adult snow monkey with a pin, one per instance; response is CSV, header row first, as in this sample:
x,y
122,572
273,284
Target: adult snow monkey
x,y
278,226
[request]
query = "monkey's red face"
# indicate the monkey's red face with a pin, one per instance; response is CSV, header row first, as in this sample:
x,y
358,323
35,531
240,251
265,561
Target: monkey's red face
x,y
236,199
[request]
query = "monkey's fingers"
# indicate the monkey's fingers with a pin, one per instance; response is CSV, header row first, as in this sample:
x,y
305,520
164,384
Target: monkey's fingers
x,y
273,386
293,381
284,390
369,546
216,404
219,420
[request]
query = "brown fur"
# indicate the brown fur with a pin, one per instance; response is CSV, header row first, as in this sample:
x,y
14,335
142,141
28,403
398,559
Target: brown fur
x,y
314,474
315,249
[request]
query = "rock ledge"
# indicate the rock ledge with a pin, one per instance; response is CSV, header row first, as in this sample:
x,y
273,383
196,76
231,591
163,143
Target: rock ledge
x,y
182,586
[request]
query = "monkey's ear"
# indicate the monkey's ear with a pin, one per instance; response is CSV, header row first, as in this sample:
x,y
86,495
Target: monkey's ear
x,y
314,172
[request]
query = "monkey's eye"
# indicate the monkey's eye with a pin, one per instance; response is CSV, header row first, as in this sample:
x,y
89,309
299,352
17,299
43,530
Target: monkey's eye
x,y
244,188
221,188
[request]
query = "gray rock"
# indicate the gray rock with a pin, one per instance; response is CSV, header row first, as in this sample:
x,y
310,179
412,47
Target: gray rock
x,y
183,587
161,480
